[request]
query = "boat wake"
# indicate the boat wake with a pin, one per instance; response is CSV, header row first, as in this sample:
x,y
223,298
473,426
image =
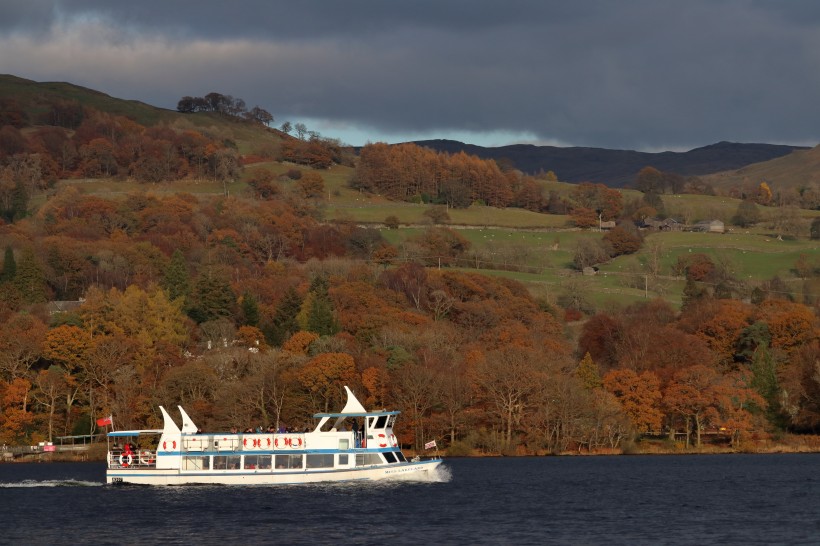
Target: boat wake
x,y
49,483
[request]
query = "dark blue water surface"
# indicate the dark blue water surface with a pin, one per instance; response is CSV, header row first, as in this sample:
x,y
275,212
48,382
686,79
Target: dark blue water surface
x,y
699,500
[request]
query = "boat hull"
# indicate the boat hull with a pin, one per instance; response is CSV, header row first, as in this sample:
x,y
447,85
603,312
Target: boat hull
x,y
411,471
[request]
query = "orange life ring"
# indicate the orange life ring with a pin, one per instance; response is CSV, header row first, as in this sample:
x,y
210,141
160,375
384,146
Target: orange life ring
x,y
383,440
295,442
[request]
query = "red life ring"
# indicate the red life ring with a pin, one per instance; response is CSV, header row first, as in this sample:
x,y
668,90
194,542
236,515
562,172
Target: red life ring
x,y
295,442
285,442
128,460
164,446
383,442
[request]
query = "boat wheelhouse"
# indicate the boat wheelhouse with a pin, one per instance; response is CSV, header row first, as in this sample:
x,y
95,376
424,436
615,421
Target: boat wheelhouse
x,y
354,444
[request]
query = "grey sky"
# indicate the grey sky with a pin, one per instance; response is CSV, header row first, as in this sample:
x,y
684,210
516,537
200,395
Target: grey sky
x,y
631,74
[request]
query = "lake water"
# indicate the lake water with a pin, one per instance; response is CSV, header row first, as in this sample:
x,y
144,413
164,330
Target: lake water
x,y
700,500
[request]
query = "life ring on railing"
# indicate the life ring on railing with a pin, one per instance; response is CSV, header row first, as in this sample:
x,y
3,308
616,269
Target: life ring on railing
x,y
382,440
126,459
393,441
295,442
145,457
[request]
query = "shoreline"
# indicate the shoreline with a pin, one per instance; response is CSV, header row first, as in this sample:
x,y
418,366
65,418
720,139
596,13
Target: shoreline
x,y
780,448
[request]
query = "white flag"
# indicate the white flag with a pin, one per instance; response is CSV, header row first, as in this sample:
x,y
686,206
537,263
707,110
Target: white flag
x,y
430,445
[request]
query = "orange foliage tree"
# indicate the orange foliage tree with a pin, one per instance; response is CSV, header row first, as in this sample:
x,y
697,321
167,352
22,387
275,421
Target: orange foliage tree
x,y
324,375
639,396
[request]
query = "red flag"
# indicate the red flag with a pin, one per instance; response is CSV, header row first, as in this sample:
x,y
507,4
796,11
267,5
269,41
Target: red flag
x,y
102,421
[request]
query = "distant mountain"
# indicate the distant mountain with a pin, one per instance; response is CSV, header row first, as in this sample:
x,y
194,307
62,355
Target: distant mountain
x,y
618,168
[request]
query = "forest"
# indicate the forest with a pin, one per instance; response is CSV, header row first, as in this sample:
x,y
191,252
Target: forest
x,y
249,309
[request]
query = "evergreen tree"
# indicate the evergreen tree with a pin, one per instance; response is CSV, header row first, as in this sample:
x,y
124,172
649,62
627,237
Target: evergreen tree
x,y
250,309
176,281
212,298
691,292
747,214
29,279
320,314
815,229
284,322
654,200
764,381
9,266
588,373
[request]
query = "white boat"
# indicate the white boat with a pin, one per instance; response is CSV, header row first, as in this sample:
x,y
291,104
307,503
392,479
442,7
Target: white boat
x,y
333,452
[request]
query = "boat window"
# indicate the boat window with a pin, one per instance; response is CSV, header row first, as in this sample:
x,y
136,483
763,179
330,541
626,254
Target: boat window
x,y
381,421
257,461
195,463
288,461
390,457
320,460
344,443
343,459
226,462
400,456
364,459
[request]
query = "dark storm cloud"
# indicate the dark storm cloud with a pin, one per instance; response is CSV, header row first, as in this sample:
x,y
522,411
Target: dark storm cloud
x,y
638,74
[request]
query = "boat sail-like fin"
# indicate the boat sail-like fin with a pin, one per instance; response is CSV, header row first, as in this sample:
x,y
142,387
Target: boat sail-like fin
x,y
188,425
169,427
353,405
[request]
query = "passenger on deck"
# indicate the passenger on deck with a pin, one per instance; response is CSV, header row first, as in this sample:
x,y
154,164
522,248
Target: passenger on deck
x,y
234,430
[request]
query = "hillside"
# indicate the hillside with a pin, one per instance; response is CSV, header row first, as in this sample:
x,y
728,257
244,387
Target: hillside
x,y
238,277
35,100
798,169
618,168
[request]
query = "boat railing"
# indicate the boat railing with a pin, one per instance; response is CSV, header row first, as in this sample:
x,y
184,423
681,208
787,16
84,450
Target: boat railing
x,y
143,458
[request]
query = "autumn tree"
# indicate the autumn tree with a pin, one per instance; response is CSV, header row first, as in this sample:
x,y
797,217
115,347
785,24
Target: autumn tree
x,y
21,341
416,389
324,377
694,394
505,379
621,241
639,396
51,386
